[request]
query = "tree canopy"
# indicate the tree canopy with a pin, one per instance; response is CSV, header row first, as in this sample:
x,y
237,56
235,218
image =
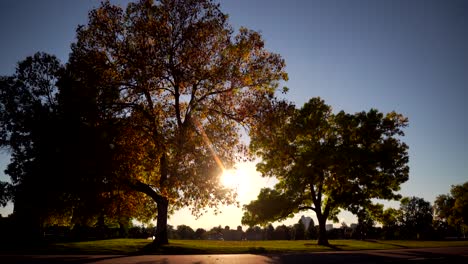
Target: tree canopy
x,y
178,83
325,161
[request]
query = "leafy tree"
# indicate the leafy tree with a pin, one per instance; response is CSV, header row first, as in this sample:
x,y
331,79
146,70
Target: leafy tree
x,y
365,224
269,232
29,131
179,83
415,217
254,233
5,193
185,232
326,161
391,226
282,232
453,208
200,233
61,159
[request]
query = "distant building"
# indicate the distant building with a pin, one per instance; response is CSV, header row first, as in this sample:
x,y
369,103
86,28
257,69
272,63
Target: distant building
x,y
306,221
329,227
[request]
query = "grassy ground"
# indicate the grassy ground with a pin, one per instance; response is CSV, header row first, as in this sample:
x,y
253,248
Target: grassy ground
x,y
141,246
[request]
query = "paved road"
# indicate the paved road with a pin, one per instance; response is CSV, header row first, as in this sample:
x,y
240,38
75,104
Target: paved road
x,y
451,255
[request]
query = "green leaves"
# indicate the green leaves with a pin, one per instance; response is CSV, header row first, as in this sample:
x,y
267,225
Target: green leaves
x,y
325,160
271,205
453,207
6,193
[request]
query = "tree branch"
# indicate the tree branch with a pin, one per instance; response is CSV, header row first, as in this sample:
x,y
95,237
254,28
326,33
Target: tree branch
x,y
307,208
146,189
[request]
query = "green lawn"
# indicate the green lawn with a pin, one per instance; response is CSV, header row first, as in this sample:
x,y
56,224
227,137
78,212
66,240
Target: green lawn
x,y
142,246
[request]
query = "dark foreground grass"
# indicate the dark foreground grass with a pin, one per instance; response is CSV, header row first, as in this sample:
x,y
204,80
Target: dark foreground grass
x,y
142,246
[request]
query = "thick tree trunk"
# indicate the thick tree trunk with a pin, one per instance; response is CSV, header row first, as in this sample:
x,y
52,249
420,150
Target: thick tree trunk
x,y
322,233
162,203
161,224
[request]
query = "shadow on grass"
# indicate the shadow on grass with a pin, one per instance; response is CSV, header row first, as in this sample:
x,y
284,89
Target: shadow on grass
x,y
170,249
385,243
336,247
257,250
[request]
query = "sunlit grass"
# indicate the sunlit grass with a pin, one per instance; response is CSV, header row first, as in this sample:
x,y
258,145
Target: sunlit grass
x,y
142,246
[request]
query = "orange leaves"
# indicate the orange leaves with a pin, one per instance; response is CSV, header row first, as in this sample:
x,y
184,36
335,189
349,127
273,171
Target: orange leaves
x,y
171,63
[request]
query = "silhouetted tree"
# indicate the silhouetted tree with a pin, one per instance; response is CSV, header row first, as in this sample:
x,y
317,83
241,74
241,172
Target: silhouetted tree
x,y
185,232
326,161
29,118
390,223
200,233
269,232
416,217
453,208
282,232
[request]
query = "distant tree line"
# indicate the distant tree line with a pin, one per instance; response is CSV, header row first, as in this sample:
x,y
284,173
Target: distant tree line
x,y
415,219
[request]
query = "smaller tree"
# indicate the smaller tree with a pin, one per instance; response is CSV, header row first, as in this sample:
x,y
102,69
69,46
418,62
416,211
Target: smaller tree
x,y
365,224
453,208
416,217
269,232
325,162
282,232
185,232
390,224
200,233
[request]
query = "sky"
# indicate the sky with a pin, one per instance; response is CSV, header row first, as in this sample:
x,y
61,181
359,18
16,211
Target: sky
x,y
408,56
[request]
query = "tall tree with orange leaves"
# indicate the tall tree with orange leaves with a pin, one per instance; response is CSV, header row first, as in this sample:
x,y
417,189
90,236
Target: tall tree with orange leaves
x,y
180,84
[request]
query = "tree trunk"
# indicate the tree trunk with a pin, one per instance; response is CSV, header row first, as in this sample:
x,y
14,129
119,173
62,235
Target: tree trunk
x,y
162,203
161,224
322,234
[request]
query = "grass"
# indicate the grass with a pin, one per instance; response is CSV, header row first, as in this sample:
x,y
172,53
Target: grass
x,y
284,246
142,246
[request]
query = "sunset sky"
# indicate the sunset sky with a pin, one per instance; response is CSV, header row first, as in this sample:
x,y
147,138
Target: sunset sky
x,y
402,55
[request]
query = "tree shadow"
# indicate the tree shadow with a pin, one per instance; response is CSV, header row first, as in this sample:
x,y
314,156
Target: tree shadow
x,y
257,250
154,249
335,247
386,243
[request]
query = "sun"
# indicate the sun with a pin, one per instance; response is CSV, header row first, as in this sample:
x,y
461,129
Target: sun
x,y
238,180
245,180
231,179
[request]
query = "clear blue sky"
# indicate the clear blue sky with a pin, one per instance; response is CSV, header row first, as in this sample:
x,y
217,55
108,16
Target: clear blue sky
x,y
402,55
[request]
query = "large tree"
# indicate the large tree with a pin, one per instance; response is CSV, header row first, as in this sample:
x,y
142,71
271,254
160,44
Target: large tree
x,y
453,208
179,83
325,161
61,163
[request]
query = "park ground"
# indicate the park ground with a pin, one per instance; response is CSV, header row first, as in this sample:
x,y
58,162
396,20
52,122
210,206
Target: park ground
x,y
439,255
185,247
